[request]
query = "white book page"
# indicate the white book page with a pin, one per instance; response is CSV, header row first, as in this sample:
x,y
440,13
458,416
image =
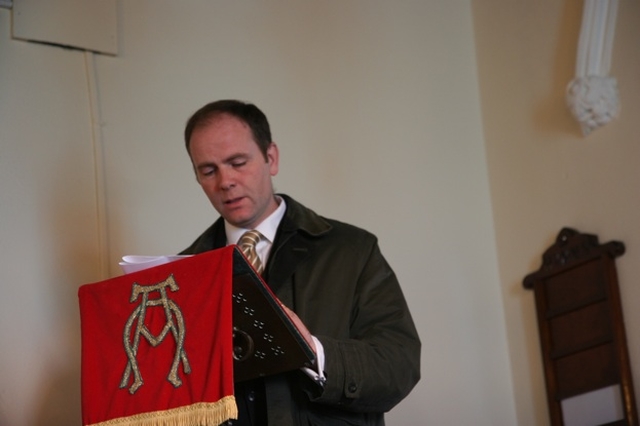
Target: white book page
x,y
134,263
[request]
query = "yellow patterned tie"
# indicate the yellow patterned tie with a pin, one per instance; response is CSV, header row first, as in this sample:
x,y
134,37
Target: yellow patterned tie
x,y
247,244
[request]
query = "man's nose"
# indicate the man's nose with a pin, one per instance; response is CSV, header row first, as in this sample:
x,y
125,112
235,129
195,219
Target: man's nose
x,y
225,177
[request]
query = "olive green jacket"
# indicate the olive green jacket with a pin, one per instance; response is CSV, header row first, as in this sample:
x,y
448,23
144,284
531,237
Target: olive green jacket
x,y
335,278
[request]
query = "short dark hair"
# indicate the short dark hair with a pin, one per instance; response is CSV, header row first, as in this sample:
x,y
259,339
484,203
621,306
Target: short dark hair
x,y
248,113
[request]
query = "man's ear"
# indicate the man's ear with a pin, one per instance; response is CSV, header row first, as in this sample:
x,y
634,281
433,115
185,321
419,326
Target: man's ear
x,y
273,157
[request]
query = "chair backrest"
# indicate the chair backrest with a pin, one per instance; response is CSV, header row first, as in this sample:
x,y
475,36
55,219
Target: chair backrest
x,y
582,336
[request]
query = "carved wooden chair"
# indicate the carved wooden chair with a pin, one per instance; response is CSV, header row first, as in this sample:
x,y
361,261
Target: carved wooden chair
x,y
582,335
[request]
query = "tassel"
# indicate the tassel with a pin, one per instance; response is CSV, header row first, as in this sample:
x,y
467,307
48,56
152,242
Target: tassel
x,y
199,414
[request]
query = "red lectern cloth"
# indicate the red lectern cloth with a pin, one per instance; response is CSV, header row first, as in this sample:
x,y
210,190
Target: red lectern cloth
x,y
157,345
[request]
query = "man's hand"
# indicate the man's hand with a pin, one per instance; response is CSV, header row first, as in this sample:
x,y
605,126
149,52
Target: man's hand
x,y
300,326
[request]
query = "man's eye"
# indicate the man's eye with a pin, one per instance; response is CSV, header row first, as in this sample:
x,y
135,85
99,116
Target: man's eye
x,y
238,164
208,171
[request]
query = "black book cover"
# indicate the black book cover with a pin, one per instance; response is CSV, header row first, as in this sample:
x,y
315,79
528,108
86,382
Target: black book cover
x,y
265,341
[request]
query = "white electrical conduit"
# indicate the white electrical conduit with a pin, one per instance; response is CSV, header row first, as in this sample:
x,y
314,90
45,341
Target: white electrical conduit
x,y
99,172
592,96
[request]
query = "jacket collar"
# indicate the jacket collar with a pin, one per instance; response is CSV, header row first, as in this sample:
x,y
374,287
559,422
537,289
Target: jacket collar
x,y
298,217
297,237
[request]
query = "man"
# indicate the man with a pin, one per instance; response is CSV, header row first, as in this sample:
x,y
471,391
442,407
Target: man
x,y
332,276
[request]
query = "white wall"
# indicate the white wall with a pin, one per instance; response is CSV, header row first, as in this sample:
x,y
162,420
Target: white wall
x,y
47,229
376,111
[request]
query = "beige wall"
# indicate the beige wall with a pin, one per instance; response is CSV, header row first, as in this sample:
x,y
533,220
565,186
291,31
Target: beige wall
x,y
544,174
375,108
412,119
47,228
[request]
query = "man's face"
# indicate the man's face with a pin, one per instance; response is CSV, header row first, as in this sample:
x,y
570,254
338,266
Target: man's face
x,y
233,172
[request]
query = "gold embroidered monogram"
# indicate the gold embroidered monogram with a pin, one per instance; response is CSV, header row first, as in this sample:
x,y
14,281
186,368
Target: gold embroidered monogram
x,y
175,324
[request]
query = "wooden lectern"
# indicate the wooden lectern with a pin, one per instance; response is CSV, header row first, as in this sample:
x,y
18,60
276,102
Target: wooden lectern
x,y
163,345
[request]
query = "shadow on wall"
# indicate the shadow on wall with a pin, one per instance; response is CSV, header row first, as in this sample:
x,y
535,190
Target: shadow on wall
x,y
552,114
60,398
74,259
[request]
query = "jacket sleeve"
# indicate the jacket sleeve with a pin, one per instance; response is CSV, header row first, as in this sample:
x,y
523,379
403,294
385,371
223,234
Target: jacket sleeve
x,y
378,364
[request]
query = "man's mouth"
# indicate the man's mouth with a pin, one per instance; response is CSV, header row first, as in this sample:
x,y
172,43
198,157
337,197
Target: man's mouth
x,y
233,201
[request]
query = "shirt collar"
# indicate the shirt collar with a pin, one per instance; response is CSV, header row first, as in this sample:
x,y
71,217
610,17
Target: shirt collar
x,y
267,227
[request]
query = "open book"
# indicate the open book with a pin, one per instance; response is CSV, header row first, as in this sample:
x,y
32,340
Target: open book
x,y
133,263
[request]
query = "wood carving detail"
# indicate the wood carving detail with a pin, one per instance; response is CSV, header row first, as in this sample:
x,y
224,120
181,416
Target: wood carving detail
x,y
572,247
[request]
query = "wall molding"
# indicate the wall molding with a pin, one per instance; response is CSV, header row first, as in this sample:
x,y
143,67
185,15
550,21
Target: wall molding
x,y
592,96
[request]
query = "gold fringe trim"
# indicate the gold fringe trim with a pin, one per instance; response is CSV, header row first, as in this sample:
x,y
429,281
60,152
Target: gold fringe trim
x,y
198,414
